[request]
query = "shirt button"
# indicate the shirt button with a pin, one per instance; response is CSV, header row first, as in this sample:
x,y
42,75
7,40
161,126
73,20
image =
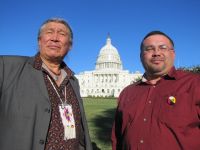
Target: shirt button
x,y
47,110
141,141
145,119
149,101
41,142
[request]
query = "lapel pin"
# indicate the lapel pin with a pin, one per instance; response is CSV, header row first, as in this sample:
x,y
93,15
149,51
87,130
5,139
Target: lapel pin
x,y
171,100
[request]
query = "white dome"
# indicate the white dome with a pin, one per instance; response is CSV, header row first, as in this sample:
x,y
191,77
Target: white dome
x,y
108,57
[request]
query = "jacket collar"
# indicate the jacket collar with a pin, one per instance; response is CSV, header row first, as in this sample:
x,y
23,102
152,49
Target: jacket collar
x,y
36,62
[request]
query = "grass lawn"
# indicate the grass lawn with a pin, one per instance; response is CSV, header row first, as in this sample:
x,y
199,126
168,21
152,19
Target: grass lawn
x,y
100,115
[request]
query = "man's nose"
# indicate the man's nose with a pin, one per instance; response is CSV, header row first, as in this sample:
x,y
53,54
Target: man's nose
x,y
156,51
55,37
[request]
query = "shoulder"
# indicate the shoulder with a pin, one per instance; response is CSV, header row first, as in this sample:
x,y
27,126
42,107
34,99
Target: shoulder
x,y
187,75
11,59
128,93
74,81
12,64
131,87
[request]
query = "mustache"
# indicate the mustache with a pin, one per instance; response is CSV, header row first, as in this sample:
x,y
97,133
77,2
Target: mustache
x,y
53,45
157,59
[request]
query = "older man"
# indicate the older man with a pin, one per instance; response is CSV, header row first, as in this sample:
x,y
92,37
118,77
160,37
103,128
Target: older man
x,y
40,104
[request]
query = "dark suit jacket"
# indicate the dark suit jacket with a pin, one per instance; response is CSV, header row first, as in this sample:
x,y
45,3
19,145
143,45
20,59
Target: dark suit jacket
x,y
25,108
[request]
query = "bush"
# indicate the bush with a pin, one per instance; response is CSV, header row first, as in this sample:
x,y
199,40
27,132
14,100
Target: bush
x,y
195,69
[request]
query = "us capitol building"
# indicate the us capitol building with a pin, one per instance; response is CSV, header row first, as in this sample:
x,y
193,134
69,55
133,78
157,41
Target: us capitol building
x,y
108,79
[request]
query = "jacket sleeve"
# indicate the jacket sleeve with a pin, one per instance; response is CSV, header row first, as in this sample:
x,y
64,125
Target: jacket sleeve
x,y
75,85
1,74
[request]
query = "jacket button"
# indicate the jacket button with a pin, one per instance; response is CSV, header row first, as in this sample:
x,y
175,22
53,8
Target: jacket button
x,y
41,142
47,110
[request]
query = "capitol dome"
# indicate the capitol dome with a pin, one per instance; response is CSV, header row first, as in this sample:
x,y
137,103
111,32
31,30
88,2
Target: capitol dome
x,y
108,79
108,57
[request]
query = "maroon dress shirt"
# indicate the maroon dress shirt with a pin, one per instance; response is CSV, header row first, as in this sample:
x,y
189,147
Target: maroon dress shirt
x,y
147,119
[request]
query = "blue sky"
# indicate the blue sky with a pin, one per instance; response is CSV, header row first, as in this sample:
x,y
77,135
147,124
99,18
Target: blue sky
x,y
127,21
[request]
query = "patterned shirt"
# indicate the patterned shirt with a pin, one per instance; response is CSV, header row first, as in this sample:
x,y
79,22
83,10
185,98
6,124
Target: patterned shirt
x,y
55,138
164,116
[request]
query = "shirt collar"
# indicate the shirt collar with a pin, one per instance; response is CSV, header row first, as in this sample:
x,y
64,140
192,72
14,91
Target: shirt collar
x,y
38,65
171,75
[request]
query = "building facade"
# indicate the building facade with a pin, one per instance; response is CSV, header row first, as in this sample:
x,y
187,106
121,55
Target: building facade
x,y
108,79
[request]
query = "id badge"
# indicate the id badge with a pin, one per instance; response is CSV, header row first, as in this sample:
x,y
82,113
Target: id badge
x,y
68,121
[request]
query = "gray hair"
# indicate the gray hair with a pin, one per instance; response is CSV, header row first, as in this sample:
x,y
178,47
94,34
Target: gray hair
x,y
57,20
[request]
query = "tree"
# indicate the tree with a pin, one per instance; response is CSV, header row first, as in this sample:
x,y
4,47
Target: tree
x,y
195,69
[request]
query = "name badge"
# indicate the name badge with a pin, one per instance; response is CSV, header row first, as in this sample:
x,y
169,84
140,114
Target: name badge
x,y
68,121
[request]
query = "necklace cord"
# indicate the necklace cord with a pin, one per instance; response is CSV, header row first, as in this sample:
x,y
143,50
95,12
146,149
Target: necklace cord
x,y
57,91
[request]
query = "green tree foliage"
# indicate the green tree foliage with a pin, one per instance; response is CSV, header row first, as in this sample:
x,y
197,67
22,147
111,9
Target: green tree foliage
x,y
195,69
